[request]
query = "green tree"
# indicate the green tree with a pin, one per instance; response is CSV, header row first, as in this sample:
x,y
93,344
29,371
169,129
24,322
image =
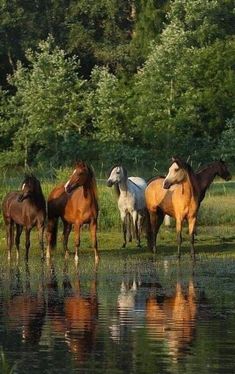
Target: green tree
x,y
187,83
47,106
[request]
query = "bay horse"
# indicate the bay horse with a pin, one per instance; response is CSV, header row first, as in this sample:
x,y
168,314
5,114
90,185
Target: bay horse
x,y
131,200
25,208
180,195
76,203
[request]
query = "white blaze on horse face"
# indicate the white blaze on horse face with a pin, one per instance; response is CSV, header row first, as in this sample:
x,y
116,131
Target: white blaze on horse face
x,y
175,174
67,183
23,186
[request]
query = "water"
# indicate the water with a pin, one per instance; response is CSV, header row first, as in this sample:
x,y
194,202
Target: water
x,y
131,315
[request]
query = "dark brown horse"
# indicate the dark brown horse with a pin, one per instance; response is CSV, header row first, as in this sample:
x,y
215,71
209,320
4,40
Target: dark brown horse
x,y
25,208
179,195
76,203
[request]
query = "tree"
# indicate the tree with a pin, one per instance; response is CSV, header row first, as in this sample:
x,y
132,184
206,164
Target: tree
x,y
47,106
187,82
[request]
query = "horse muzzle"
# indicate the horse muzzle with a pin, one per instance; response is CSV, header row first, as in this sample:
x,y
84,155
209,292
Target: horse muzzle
x,y
166,184
109,183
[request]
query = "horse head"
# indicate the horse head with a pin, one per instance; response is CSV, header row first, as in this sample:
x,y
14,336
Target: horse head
x,y
177,172
30,187
81,174
116,175
223,171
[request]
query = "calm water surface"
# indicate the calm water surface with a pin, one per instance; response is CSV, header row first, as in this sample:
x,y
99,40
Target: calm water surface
x,y
131,315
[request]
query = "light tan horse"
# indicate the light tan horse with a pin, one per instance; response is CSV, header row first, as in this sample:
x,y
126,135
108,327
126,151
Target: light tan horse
x,y
178,196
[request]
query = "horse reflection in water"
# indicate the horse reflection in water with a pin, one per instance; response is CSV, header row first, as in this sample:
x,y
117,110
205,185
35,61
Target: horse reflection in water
x,y
25,309
173,318
168,318
77,319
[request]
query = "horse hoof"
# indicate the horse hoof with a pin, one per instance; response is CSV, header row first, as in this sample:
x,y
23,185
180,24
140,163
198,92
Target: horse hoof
x,y
124,245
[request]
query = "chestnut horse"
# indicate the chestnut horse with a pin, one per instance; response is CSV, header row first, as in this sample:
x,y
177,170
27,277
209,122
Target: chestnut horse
x,y
25,208
179,195
76,203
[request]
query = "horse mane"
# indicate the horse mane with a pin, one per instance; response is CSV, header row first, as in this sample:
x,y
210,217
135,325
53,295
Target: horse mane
x,y
38,189
31,177
182,164
91,178
212,164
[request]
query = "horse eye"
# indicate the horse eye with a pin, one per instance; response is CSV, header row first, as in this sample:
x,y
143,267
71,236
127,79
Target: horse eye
x,y
177,169
118,171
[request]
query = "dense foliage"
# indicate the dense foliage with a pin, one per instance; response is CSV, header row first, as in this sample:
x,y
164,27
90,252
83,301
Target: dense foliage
x,y
116,80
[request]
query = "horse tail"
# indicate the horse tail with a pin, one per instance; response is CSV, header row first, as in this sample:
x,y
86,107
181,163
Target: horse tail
x,y
148,229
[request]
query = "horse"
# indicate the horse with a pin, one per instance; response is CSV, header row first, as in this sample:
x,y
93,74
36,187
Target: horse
x,y
76,203
25,208
131,200
206,175
179,195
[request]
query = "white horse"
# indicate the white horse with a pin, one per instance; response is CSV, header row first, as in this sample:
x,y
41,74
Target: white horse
x,y
131,199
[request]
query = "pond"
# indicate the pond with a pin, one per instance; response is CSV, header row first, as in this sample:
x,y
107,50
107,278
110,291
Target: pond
x,y
133,314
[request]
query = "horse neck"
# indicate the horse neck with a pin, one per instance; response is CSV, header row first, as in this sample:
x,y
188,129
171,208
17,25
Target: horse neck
x,y
90,189
192,184
39,200
123,186
205,178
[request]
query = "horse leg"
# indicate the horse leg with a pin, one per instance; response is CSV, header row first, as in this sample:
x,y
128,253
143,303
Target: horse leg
x,y
156,220
27,243
191,226
179,235
19,230
93,232
41,241
66,232
124,227
77,228
129,223
135,222
51,235
10,237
